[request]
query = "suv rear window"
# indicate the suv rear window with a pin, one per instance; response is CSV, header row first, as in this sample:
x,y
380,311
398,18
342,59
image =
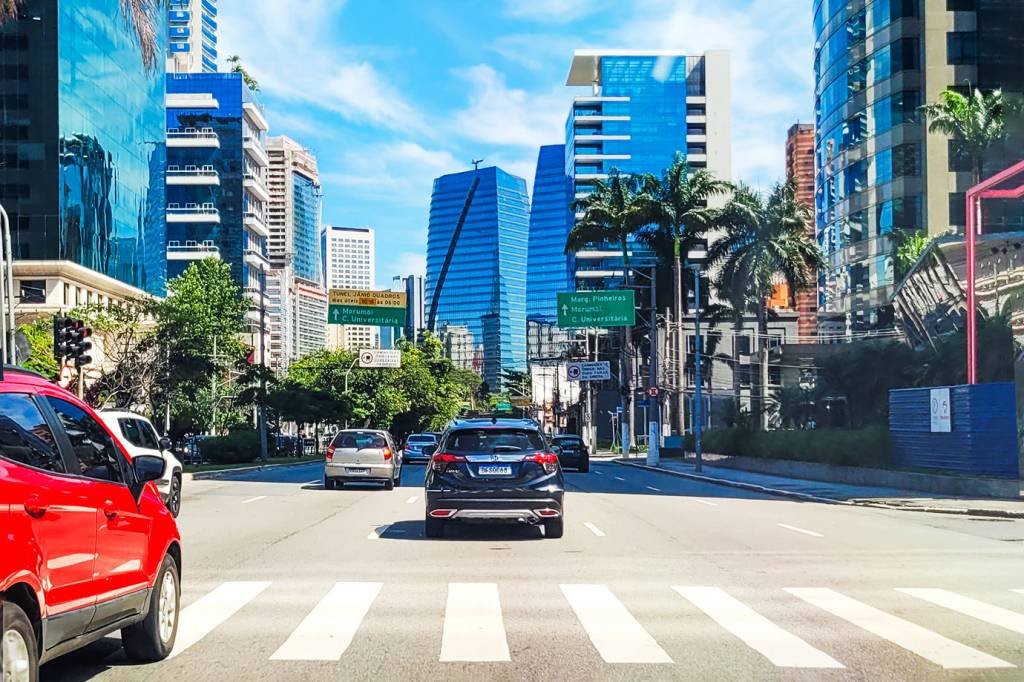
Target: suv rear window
x,y
422,439
470,441
359,440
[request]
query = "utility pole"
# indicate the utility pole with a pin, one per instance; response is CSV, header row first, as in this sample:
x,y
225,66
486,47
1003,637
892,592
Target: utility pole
x,y
679,346
263,367
654,427
8,329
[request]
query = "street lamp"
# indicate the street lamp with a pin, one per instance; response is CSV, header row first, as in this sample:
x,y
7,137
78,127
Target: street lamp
x,y
696,256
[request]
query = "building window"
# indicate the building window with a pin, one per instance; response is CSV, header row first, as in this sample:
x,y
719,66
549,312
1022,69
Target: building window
x,y
959,159
962,47
957,208
961,5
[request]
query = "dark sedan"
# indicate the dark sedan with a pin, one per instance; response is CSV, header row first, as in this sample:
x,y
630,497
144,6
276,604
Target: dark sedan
x,y
574,453
494,470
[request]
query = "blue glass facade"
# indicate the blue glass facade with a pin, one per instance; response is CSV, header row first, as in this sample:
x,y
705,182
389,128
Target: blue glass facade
x,y
306,199
485,288
549,268
214,142
81,140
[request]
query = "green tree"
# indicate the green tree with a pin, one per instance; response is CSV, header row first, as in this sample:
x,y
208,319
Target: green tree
x,y
39,333
765,239
908,246
236,67
975,122
132,369
141,18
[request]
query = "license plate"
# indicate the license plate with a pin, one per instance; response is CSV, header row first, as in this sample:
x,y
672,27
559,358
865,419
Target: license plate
x,y
495,470
358,471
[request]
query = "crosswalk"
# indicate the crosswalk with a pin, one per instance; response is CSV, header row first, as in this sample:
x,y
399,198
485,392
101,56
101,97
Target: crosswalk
x,y
473,627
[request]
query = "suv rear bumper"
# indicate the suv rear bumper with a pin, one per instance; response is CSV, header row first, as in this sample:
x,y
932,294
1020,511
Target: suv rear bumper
x,y
531,510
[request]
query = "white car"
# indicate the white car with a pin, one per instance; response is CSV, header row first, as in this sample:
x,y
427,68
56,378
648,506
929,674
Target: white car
x,y
140,438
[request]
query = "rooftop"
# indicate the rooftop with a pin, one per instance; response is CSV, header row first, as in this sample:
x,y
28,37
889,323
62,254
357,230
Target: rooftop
x,y
586,64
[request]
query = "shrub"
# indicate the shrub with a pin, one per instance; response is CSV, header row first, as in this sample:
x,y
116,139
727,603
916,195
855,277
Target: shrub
x,y
238,447
867,447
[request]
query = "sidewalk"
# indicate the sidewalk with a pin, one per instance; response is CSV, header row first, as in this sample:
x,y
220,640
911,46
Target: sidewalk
x,y
834,493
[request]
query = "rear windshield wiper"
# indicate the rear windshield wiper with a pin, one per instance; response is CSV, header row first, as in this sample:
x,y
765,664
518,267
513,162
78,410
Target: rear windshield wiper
x,y
506,448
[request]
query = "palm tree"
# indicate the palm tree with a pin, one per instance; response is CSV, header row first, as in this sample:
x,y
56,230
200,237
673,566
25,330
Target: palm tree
x,y
679,216
615,211
140,18
976,122
765,240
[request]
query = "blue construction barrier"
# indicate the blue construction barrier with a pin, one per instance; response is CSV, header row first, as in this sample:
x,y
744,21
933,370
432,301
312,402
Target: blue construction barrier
x,y
982,440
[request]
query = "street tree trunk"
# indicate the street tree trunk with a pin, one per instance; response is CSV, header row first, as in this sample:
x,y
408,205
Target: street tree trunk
x,y
760,407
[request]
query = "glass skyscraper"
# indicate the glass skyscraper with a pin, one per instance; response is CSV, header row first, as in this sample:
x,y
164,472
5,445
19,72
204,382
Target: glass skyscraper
x,y
643,108
484,264
81,140
550,221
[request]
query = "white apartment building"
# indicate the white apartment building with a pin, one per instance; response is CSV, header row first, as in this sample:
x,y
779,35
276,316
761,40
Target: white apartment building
x,y
308,309
350,263
192,36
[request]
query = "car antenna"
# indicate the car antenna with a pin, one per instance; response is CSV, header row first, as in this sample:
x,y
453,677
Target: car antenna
x,y
494,419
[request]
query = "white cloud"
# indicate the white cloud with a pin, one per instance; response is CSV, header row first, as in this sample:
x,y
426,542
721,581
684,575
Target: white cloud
x,y
500,115
400,172
548,11
294,57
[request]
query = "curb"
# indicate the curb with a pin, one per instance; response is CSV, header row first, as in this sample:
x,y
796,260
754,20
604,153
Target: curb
x,y
221,473
806,497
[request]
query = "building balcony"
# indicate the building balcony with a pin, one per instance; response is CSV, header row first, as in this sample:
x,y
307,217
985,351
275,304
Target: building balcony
x,y
598,274
179,16
256,152
590,177
601,138
192,213
254,184
594,99
256,260
697,158
193,138
191,100
192,175
586,254
696,118
255,224
597,158
255,115
256,296
696,99
700,139
594,118
192,250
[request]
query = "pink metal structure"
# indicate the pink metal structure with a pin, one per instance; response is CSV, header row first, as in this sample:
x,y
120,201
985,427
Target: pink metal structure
x,y
987,189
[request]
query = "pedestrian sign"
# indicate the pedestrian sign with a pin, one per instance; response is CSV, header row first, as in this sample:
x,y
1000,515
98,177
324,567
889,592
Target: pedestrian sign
x,y
371,308
611,308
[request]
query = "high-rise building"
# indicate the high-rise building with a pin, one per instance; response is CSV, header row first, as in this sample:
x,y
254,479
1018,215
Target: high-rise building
x,y
800,170
192,36
279,323
644,107
293,248
349,262
476,265
216,187
551,219
82,141
879,169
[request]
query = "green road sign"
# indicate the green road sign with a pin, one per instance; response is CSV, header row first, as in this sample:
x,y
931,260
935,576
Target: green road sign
x,y
503,407
370,308
613,308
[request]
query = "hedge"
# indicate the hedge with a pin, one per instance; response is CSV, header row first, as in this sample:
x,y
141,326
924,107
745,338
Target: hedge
x,y
867,447
238,447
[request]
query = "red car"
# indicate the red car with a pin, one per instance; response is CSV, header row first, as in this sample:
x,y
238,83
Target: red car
x,y
87,547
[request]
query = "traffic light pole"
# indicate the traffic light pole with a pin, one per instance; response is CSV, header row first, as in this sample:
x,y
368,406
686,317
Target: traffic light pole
x,y
653,397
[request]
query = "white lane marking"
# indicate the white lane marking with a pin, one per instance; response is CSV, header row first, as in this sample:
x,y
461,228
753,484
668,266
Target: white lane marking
x,y
377,532
315,480
204,615
651,487
620,478
411,499
914,638
326,632
473,626
254,499
994,615
710,504
598,472
594,529
800,530
779,646
615,633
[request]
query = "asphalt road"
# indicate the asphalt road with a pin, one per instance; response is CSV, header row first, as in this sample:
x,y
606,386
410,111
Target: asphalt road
x,y
656,578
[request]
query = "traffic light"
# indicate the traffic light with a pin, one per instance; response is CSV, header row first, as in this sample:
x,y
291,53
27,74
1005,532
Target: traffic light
x,y
70,341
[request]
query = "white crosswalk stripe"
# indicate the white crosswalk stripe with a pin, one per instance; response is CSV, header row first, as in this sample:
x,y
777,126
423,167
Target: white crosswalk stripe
x,y
473,626
327,631
1018,591
1004,618
923,642
615,633
777,645
202,617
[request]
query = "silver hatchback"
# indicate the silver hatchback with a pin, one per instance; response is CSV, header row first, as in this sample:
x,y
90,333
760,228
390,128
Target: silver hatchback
x,y
358,455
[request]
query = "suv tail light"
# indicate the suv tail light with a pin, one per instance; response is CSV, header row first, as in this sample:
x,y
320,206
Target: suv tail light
x,y
548,459
387,454
330,452
440,461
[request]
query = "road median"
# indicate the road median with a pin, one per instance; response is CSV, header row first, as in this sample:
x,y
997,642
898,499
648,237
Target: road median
x,y
221,473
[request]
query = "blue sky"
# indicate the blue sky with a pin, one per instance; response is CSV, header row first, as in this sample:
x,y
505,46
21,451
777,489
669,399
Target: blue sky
x,y
391,93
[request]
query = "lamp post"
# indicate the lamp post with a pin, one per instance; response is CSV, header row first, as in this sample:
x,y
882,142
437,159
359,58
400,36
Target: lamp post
x,y
696,256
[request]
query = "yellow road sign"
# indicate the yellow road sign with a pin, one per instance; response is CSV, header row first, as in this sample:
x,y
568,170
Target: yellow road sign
x,y
372,299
